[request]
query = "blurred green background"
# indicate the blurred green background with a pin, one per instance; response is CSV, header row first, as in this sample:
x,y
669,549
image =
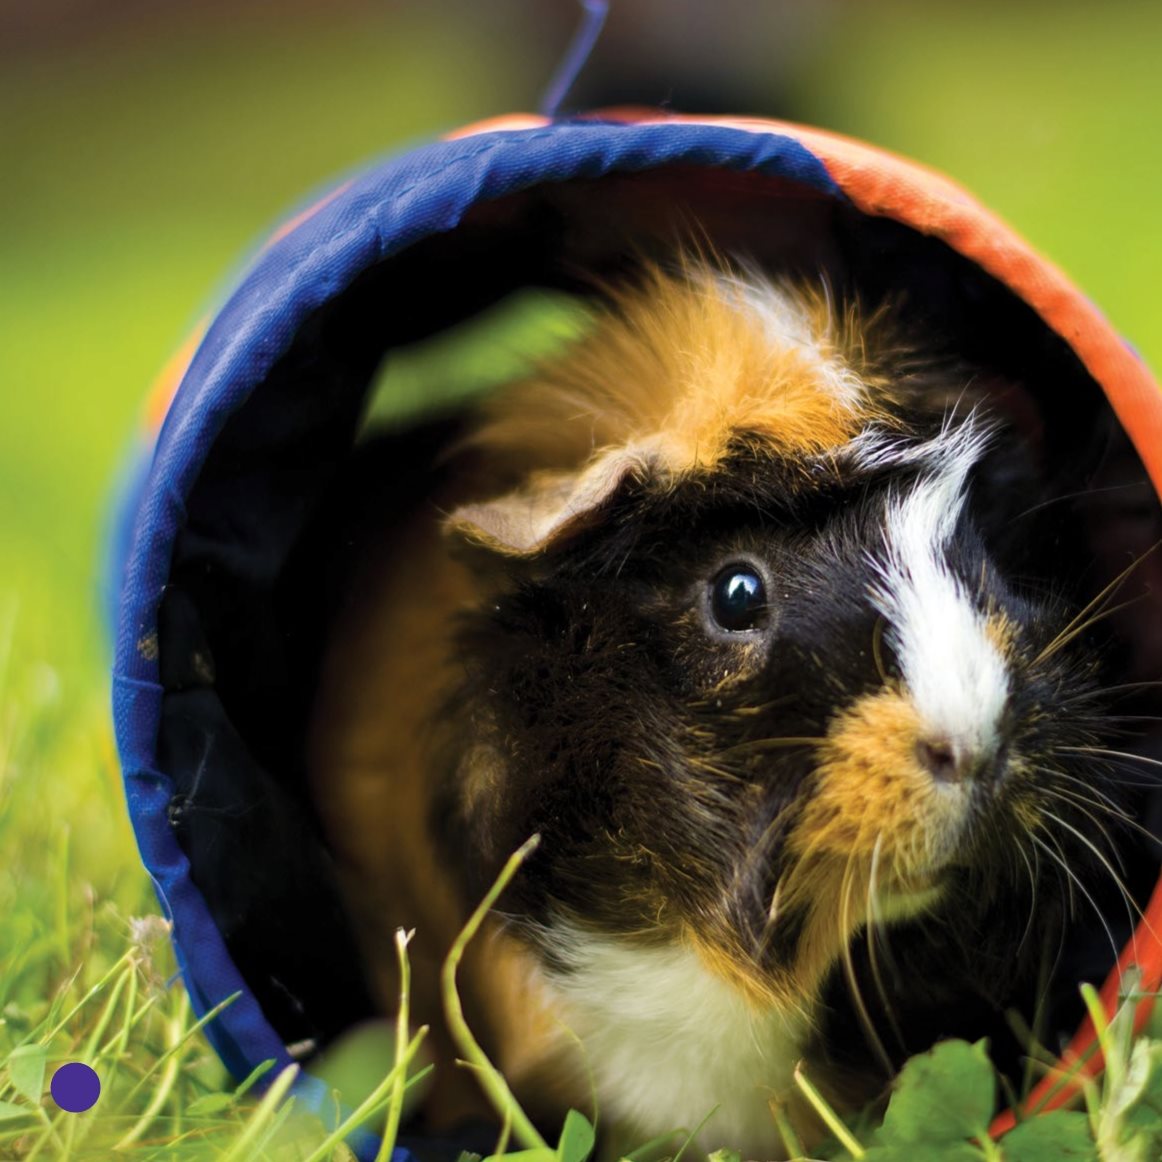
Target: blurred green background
x,y
145,147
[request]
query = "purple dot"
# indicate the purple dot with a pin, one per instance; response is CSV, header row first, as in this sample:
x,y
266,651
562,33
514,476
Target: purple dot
x,y
75,1087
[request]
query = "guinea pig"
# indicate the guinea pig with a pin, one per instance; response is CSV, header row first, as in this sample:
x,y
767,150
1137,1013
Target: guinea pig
x,y
742,605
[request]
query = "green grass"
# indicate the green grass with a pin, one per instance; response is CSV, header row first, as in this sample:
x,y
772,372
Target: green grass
x,y
137,169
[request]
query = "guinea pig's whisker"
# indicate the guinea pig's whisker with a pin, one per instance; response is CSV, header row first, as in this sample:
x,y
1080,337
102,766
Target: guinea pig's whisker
x,y
754,709
874,932
1103,693
1122,687
1106,806
784,889
1091,797
846,929
1120,818
1061,866
1132,907
1073,800
878,649
1149,779
760,744
1081,494
1065,637
711,768
624,560
1135,917
1029,869
1105,752
1078,624
872,876
1058,858
773,910
1131,718
760,849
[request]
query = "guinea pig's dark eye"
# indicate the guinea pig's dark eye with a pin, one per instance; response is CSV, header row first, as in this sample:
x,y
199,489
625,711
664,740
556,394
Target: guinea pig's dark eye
x,y
738,599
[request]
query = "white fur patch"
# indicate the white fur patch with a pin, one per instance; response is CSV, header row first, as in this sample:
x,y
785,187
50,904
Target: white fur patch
x,y
876,447
668,1041
955,676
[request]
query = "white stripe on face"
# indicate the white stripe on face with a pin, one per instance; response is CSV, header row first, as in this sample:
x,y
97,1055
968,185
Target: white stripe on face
x,y
954,673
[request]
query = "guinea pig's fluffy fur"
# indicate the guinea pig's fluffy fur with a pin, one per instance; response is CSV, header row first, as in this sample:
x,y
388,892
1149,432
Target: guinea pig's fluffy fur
x,y
745,608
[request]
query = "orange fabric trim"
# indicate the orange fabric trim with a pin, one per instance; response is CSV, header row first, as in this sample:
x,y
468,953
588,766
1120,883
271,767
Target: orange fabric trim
x,y
508,121
165,385
305,215
168,380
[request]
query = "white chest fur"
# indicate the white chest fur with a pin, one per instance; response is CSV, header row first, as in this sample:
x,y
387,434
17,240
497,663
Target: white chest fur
x,y
667,1042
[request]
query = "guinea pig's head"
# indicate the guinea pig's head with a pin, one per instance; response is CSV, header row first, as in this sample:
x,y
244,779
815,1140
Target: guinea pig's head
x,y
772,646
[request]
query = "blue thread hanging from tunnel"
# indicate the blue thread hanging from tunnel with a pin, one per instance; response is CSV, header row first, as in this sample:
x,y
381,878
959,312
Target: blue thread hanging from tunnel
x,y
576,55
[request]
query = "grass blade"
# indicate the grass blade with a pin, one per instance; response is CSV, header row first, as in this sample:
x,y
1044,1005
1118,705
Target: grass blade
x,y
493,1084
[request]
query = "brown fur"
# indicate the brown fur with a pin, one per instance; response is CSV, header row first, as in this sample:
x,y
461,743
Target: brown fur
x,y
677,362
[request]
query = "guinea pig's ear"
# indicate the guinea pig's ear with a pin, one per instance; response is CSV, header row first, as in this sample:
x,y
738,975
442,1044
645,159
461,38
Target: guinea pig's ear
x,y
550,508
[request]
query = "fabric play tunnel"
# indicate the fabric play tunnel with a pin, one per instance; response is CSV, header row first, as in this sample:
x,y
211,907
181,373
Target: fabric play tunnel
x,y
257,424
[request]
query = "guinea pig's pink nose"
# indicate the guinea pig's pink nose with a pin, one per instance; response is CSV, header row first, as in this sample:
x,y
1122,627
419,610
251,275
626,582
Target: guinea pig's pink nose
x,y
948,759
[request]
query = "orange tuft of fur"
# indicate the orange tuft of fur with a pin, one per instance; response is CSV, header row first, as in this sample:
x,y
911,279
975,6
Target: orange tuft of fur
x,y
681,365
678,370
1001,633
